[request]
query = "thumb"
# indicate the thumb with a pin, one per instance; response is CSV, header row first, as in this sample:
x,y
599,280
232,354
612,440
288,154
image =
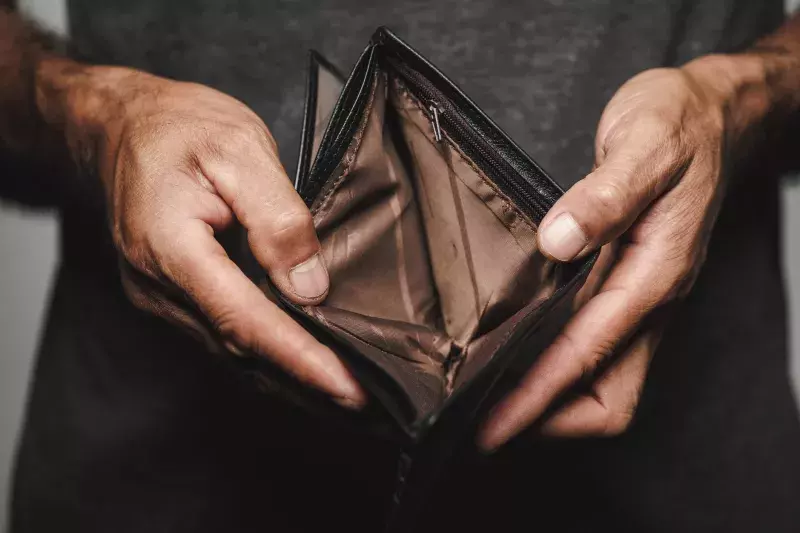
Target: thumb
x,y
603,205
280,228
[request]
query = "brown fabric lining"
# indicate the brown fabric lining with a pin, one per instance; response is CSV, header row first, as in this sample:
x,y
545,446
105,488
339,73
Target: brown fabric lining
x,y
429,262
514,215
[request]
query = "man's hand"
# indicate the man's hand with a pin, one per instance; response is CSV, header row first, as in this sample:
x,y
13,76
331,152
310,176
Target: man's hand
x,y
180,162
656,189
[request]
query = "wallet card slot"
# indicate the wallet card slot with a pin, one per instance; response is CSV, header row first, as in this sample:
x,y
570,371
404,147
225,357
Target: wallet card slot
x,y
347,115
323,88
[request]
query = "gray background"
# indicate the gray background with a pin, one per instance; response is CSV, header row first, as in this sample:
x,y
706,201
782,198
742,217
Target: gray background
x,y
28,253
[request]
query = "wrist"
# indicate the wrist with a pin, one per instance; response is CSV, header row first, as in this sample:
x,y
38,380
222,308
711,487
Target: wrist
x,y
85,106
739,86
78,100
753,89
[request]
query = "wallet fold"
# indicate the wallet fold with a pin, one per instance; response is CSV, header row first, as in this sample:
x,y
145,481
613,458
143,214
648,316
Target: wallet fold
x,y
427,214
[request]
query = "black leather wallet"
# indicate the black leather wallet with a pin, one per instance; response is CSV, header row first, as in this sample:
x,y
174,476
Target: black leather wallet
x,y
427,214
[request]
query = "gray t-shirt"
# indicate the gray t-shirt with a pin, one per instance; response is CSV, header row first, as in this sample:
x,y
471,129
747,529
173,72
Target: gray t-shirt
x,y
132,427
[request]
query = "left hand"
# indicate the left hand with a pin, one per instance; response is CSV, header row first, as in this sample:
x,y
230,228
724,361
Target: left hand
x,y
657,187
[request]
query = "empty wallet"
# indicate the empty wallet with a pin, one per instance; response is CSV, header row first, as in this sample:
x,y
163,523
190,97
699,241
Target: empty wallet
x,y
427,214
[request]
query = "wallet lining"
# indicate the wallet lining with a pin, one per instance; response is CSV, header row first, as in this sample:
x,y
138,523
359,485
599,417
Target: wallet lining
x,y
429,261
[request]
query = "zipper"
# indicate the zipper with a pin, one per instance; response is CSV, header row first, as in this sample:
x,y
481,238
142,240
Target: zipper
x,y
437,128
443,114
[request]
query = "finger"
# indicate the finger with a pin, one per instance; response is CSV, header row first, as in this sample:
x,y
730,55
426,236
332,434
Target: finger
x,y
598,275
609,410
146,294
604,204
244,317
634,288
280,229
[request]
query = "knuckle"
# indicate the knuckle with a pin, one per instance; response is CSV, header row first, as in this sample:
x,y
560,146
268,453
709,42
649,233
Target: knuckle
x,y
670,143
259,134
681,274
666,148
147,136
286,227
620,418
687,272
588,369
293,221
618,422
611,198
235,329
651,123
592,360
588,357
229,324
250,133
206,148
158,252
685,269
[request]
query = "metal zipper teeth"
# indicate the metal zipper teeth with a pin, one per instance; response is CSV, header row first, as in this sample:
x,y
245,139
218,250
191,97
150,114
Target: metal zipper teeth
x,y
448,115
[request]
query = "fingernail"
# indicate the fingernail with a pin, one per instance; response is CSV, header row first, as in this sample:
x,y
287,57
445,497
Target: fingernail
x,y
309,279
349,393
486,444
487,439
562,238
343,388
350,403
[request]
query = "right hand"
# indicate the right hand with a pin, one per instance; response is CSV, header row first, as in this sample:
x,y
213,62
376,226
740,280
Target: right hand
x,y
179,162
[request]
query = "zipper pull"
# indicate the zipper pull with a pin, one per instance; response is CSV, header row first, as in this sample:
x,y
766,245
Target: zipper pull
x,y
437,129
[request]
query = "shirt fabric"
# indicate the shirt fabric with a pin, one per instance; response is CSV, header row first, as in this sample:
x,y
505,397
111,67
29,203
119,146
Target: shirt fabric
x,y
133,427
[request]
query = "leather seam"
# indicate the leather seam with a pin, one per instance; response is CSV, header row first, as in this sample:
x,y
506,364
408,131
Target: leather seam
x,y
351,156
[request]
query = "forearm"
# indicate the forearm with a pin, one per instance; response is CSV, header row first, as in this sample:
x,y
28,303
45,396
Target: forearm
x,y
758,89
40,154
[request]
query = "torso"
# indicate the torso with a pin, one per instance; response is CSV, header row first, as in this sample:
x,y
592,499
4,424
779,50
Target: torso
x,y
132,427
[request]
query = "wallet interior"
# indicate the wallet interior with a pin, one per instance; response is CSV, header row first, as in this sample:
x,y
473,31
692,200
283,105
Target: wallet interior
x,y
431,264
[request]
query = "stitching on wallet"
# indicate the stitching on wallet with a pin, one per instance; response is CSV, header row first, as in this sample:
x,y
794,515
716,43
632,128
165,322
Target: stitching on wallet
x,y
353,150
